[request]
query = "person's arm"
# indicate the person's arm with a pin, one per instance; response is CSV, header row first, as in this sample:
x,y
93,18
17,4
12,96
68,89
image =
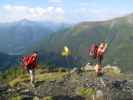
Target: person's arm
x,y
105,47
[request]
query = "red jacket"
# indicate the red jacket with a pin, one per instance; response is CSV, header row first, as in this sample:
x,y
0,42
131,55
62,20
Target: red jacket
x,y
30,60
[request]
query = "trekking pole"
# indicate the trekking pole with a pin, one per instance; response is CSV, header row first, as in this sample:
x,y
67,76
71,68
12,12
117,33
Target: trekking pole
x,y
113,34
112,38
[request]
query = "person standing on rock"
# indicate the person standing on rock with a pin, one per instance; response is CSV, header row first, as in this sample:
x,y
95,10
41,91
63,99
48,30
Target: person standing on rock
x,y
99,57
97,52
30,63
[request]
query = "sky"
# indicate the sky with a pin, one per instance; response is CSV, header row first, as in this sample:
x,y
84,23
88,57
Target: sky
x,y
64,10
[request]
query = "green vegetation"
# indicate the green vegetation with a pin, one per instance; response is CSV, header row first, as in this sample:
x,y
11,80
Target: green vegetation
x,y
17,97
79,37
18,76
46,77
57,82
48,98
87,92
11,73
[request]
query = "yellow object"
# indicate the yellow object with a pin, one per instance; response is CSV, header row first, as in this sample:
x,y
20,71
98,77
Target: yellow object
x,y
66,51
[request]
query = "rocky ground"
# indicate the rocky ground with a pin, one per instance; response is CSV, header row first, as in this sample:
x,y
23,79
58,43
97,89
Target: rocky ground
x,y
71,86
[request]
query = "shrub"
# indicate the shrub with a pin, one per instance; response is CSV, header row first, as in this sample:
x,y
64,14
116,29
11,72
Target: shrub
x,y
48,98
87,91
62,70
11,74
17,97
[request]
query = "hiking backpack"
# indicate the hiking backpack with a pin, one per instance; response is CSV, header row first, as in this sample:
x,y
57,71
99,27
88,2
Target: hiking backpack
x,y
24,61
28,60
93,51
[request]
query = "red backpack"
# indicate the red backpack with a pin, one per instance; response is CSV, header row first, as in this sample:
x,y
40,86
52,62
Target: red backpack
x,y
93,51
24,61
29,60
32,60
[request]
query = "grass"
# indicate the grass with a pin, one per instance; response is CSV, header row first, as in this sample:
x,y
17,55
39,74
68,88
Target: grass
x,y
17,97
87,91
18,80
39,77
50,76
114,75
48,98
18,76
42,75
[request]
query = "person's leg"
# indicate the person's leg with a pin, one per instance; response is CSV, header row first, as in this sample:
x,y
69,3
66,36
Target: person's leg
x,y
98,67
32,76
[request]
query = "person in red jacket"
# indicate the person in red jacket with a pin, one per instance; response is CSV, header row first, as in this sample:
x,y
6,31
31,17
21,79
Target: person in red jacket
x,y
30,63
99,56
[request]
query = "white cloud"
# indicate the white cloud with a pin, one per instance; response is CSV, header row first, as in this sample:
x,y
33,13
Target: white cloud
x,y
93,14
55,1
59,10
13,12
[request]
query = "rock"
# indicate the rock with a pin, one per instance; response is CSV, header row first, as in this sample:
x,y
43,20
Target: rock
x,y
26,91
88,67
115,69
36,98
75,70
59,87
26,97
10,90
3,87
68,87
4,97
99,94
27,94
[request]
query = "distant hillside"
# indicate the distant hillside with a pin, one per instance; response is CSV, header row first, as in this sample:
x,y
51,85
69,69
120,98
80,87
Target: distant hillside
x,y
79,37
7,61
17,37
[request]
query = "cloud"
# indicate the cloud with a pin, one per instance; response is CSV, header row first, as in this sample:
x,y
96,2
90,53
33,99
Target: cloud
x,y
14,12
96,14
87,3
55,1
57,13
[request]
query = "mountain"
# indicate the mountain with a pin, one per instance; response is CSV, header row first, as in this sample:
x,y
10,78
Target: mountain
x,y
7,61
117,32
17,37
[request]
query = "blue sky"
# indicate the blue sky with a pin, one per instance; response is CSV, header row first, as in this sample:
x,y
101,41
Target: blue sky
x,y
64,10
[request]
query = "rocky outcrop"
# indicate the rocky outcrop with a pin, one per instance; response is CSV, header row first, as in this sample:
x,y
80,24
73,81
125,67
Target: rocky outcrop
x,y
69,88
